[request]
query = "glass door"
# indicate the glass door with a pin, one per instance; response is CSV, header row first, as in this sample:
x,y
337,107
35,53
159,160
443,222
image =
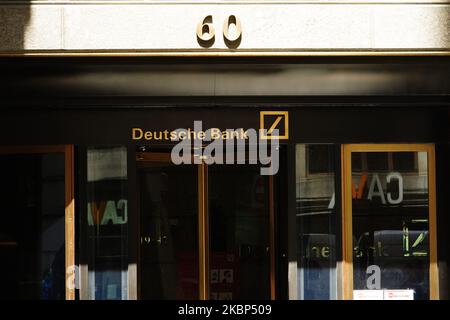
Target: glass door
x,y
206,231
37,223
169,247
240,222
389,222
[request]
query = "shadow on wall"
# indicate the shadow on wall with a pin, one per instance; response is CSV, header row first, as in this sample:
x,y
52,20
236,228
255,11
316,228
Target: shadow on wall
x,y
14,19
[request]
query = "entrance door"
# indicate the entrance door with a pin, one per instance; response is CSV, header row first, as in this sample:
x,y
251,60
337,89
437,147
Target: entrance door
x,y
207,232
389,222
37,223
169,244
240,228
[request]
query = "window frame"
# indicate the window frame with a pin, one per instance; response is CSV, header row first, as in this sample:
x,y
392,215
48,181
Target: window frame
x,y
347,214
69,201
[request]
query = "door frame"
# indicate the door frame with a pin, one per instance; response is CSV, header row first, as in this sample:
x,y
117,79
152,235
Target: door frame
x,y
69,194
203,222
347,243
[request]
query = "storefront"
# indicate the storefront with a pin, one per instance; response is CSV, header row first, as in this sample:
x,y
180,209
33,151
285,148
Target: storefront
x,y
311,164
355,209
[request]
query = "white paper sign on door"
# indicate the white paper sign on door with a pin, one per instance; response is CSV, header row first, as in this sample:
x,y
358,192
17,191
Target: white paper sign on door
x,y
399,294
368,295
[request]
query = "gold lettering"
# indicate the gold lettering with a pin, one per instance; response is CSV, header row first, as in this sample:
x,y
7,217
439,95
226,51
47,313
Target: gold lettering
x,y
232,41
182,135
215,133
148,135
191,134
315,252
156,136
206,32
325,252
137,131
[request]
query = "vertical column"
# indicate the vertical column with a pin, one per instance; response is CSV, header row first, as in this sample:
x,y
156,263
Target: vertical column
x,y
434,272
345,283
203,231
69,223
272,239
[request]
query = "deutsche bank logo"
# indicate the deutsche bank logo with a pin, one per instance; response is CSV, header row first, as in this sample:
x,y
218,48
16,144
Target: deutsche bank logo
x,y
274,120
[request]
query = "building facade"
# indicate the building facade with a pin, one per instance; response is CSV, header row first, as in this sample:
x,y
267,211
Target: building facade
x,y
225,149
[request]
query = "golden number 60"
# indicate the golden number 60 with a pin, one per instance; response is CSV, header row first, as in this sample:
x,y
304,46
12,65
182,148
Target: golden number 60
x,y
226,29
206,31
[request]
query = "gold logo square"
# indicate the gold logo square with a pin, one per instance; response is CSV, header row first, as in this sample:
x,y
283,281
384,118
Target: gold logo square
x,y
281,116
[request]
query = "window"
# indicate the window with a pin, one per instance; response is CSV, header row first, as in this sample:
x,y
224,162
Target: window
x,y
316,215
107,223
390,222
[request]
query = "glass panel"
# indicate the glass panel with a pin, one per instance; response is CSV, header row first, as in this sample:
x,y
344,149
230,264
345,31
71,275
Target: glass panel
x,y
315,215
32,228
319,158
390,225
169,235
107,219
239,232
406,161
376,161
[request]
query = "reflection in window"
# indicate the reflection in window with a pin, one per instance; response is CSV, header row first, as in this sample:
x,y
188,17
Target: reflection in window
x,y
315,212
403,161
168,230
318,158
32,228
239,233
390,223
107,218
